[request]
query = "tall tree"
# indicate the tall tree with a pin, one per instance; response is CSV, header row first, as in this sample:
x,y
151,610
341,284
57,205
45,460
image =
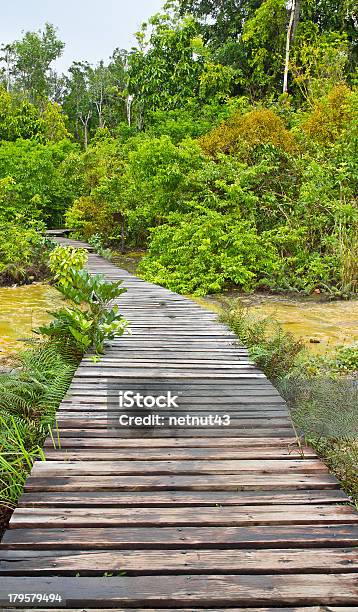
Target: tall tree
x,y
28,63
78,99
221,20
120,98
164,70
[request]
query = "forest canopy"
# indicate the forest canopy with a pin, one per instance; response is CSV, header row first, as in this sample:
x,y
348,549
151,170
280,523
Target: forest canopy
x,y
223,145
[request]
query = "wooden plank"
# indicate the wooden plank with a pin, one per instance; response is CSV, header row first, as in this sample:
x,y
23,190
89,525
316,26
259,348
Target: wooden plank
x,y
93,421
200,561
180,498
154,454
142,433
261,536
44,469
245,482
328,608
196,609
288,443
30,518
300,589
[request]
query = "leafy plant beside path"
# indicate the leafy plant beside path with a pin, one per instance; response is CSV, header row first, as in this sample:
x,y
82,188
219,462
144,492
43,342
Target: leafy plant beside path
x,y
31,392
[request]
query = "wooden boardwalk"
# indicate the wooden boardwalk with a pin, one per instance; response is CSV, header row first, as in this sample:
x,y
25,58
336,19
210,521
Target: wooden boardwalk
x,y
183,517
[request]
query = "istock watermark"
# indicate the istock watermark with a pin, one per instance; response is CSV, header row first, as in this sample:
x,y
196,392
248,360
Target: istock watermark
x,y
183,420
154,405
131,399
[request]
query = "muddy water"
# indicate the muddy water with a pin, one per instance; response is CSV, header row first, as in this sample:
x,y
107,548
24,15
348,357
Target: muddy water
x,y
22,309
322,325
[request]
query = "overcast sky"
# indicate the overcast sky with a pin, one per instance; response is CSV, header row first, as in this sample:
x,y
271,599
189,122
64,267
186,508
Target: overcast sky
x,y
91,29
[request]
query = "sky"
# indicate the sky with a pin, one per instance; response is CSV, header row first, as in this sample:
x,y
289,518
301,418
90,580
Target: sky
x,y
91,29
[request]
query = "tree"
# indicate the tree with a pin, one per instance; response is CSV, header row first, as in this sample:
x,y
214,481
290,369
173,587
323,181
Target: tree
x,y
94,96
28,63
164,71
258,37
221,20
263,44
78,100
120,98
7,58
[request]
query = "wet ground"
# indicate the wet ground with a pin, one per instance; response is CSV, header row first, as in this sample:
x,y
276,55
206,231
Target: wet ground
x,y
321,324
22,309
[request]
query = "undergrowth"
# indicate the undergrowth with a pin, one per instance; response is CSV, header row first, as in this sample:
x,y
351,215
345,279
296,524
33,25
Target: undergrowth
x,y
321,392
29,396
32,390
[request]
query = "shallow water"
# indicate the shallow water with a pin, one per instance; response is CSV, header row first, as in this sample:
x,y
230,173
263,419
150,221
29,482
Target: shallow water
x,y
321,325
22,309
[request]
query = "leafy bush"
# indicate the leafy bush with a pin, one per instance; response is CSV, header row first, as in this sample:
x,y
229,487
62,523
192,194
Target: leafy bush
x,y
63,261
201,254
19,118
241,133
346,358
87,218
22,253
42,189
331,115
86,326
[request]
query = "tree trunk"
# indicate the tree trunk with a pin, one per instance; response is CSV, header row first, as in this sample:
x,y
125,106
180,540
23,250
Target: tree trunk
x,y
123,236
291,30
129,109
85,135
85,122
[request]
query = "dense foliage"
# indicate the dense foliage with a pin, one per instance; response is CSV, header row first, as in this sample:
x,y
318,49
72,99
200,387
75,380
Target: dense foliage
x,y
188,149
22,253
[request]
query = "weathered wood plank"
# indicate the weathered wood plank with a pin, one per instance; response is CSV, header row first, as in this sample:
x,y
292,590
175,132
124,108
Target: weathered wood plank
x,y
180,498
204,482
216,516
288,443
44,469
200,561
300,589
262,536
147,454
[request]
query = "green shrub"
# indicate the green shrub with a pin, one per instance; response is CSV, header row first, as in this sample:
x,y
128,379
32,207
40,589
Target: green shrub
x,y
42,189
86,326
202,254
29,397
22,252
241,133
87,217
63,261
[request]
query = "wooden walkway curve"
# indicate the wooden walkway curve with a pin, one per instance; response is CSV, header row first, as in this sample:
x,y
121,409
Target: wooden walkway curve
x,y
191,518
